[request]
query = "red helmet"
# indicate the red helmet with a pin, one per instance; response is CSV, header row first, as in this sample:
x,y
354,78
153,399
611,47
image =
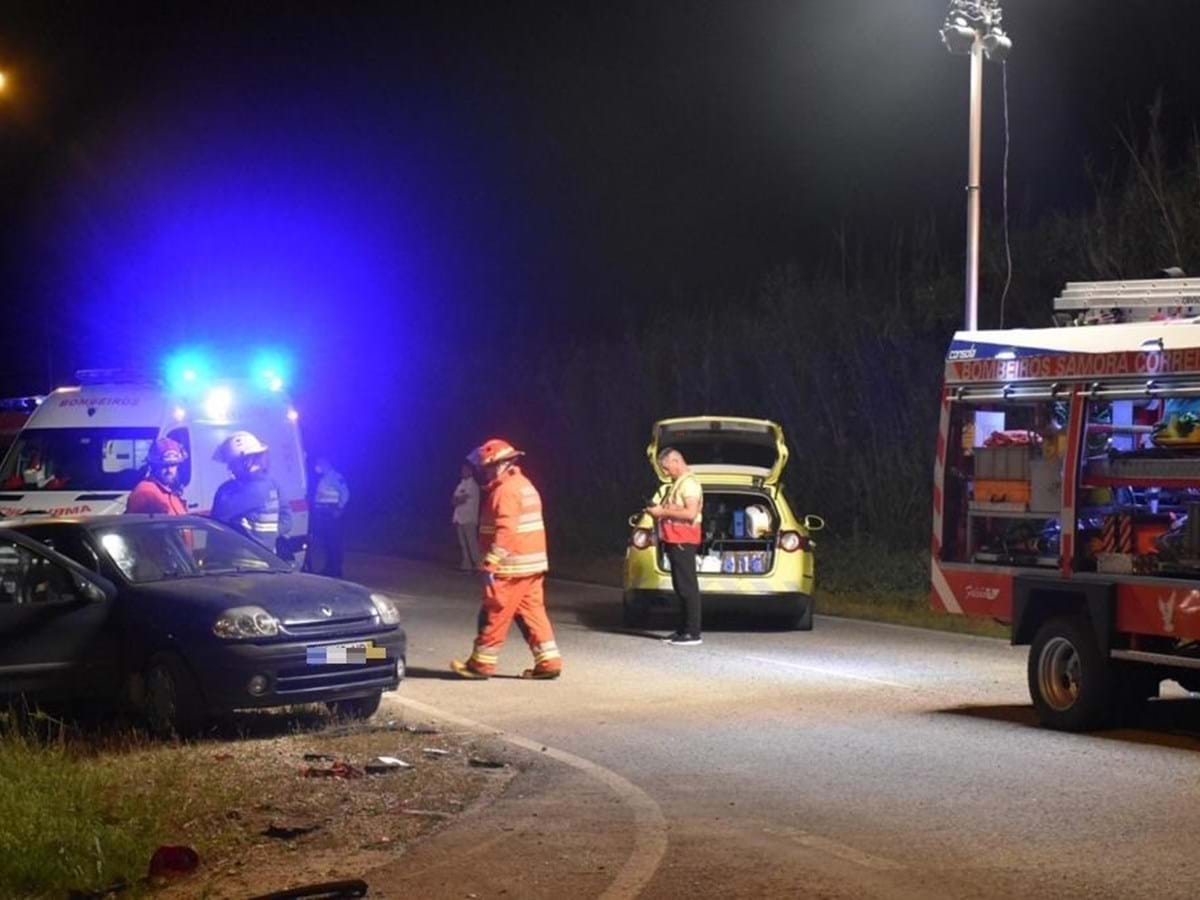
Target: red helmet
x,y
166,452
492,451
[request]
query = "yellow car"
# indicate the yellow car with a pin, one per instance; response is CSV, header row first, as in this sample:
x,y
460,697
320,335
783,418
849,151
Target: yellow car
x,y
756,556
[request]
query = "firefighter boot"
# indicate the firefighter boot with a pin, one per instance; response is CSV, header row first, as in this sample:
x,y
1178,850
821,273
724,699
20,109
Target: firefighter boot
x,y
464,670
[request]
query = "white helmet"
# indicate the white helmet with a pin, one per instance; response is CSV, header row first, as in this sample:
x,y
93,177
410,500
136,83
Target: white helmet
x,y
237,445
758,521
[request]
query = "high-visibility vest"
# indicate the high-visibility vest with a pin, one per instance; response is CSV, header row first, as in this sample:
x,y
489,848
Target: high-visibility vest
x,y
253,504
331,491
511,527
263,522
673,532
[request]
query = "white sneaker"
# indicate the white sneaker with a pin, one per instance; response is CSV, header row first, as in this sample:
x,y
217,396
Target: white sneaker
x,y
684,640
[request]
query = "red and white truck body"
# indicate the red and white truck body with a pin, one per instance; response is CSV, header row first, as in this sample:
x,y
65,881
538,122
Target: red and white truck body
x,y
1067,494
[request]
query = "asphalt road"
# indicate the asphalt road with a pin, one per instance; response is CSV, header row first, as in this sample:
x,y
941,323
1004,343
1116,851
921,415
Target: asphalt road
x,y
856,760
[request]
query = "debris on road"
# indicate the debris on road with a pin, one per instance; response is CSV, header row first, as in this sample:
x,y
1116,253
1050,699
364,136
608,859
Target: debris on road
x,y
420,729
317,757
381,765
326,890
337,770
171,861
435,752
288,831
476,762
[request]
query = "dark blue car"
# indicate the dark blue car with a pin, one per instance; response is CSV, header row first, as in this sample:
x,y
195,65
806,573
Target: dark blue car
x,y
184,619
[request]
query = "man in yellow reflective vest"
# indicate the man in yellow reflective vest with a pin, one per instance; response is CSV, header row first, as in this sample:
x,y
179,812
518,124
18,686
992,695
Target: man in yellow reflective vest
x,y
678,518
513,539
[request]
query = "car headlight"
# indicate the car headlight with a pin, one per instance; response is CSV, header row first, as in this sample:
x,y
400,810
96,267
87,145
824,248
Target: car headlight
x,y
388,614
245,622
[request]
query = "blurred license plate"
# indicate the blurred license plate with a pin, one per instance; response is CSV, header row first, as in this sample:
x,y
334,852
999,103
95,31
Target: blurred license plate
x,y
358,654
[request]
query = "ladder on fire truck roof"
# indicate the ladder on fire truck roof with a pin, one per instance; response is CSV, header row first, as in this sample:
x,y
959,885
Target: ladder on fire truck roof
x,y
1098,302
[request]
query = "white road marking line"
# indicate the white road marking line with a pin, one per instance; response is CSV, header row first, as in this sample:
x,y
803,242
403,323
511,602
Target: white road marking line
x,y
842,851
649,824
833,673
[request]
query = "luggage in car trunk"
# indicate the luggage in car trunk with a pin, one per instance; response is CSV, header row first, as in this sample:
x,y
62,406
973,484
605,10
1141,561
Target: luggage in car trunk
x,y
730,545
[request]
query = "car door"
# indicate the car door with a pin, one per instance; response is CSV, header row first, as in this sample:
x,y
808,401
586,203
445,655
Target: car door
x,y
56,635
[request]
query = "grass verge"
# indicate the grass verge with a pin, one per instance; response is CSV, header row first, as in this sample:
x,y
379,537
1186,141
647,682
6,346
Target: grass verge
x,y
84,810
909,608
83,815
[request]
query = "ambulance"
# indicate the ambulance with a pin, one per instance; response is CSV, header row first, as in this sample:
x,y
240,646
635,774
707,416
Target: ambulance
x,y
85,446
1067,495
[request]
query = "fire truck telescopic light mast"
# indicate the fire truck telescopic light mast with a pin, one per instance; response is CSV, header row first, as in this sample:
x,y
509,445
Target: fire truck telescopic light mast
x,y
973,27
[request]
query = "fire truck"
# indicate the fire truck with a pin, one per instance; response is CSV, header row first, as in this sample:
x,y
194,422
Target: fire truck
x,y
1067,495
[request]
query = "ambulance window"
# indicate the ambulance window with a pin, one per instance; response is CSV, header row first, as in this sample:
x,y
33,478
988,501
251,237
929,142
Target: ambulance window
x,y
180,436
122,454
77,459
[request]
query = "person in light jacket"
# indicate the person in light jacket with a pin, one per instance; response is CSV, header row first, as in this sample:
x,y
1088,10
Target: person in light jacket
x,y
329,502
466,518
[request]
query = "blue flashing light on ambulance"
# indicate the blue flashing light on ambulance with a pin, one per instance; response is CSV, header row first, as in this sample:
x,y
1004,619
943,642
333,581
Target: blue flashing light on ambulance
x,y
84,448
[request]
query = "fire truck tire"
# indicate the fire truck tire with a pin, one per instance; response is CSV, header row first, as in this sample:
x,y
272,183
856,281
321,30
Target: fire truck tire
x,y
1070,680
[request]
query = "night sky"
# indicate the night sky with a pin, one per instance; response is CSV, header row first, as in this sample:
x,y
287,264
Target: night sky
x,y
379,191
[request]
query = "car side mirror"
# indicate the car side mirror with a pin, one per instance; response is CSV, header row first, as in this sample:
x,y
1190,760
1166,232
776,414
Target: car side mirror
x,y
813,523
94,589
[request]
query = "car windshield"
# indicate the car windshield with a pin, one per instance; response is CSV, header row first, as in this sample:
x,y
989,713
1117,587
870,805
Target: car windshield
x,y
164,549
76,459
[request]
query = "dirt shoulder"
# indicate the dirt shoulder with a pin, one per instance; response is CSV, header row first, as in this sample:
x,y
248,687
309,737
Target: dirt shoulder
x,y
480,818
308,806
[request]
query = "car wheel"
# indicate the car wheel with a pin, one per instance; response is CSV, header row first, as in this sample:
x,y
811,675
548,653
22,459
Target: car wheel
x,y
802,619
633,616
358,708
174,705
1070,681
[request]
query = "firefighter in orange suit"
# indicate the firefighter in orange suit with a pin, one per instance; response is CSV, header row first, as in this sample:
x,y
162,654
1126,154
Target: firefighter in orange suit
x,y
513,540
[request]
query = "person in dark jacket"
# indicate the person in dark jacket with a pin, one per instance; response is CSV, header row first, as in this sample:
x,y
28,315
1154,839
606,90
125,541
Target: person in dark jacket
x,y
251,501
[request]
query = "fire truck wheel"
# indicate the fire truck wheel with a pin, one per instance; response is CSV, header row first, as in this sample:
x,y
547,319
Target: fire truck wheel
x,y
1070,681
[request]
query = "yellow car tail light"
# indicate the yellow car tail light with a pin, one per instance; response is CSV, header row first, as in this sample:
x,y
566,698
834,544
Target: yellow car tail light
x,y
791,541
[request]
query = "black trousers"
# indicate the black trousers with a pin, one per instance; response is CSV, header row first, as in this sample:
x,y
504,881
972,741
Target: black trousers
x,y
326,533
686,583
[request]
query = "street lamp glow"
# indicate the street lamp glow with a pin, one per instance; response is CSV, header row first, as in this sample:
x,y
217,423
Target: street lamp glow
x,y
3,82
